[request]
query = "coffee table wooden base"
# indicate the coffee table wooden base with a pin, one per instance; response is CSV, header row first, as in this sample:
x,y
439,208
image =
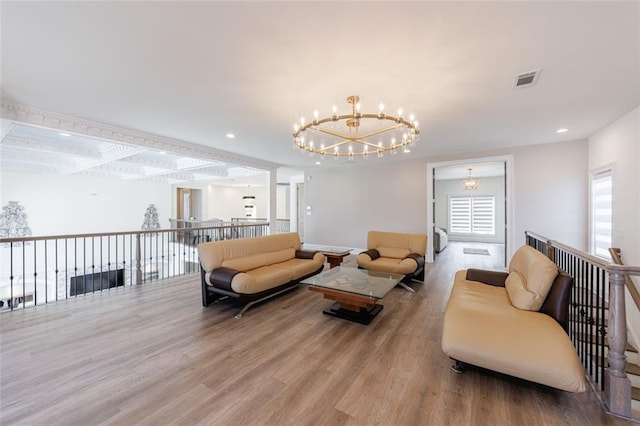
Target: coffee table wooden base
x,y
363,316
335,259
349,306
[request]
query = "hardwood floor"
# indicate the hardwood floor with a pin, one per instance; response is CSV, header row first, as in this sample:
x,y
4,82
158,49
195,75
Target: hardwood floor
x,y
153,355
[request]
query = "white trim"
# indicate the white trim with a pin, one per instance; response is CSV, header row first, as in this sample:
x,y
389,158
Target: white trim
x,y
53,120
509,190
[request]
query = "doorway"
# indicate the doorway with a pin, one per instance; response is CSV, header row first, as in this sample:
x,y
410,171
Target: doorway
x,y
188,204
480,214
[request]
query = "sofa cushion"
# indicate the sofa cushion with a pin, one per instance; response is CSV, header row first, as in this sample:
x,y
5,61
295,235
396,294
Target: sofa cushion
x,y
260,279
246,263
396,266
257,260
301,267
393,252
531,275
414,243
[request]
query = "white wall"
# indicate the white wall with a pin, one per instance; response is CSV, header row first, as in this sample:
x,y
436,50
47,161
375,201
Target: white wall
x,y
551,192
79,204
225,202
283,199
489,186
550,188
346,202
619,144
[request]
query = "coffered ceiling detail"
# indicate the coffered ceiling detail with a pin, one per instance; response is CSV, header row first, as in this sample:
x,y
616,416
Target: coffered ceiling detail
x,y
40,141
26,148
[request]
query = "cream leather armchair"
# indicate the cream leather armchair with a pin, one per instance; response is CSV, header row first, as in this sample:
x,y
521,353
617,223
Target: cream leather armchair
x,y
395,252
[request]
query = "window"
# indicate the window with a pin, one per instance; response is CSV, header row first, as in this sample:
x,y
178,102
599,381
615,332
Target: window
x,y
472,215
601,212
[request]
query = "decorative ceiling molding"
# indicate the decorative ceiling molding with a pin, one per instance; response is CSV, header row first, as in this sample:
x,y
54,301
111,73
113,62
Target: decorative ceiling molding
x,y
141,160
32,168
17,157
217,171
120,168
35,116
47,145
102,173
115,153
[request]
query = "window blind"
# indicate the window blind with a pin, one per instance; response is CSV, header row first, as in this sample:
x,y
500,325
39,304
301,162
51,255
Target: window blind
x,y
601,213
472,215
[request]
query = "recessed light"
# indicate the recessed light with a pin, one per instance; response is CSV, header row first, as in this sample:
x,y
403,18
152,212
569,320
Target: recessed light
x,y
563,130
230,135
64,134
407,150
318,163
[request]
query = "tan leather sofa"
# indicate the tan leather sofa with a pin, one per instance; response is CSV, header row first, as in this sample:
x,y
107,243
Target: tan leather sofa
x,y
251,270
395,252
482,326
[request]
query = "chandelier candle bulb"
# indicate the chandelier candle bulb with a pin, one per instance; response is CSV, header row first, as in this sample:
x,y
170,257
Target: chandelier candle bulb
x,y
359,128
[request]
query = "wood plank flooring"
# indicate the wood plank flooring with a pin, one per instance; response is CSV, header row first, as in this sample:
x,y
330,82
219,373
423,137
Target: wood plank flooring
x,y
153,355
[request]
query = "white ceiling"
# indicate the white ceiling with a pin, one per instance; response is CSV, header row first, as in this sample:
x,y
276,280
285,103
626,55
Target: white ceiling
x,y
198,70
32,149
479,170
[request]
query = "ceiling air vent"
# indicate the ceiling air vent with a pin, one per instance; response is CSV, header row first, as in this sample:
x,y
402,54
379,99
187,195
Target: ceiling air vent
x,y
527,79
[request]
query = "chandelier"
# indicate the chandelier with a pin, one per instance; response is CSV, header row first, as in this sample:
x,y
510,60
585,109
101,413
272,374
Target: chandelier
x,y
356,133
470,183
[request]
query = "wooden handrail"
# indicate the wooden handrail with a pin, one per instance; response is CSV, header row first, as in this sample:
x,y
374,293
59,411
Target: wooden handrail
x,y
635,295
616,384
111,234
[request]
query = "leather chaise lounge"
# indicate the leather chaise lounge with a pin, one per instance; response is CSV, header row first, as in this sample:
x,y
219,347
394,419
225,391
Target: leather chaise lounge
x,y
514,323
251,270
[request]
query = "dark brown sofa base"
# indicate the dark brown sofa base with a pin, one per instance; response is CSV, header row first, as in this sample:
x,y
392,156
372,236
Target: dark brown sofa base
x,y
212,294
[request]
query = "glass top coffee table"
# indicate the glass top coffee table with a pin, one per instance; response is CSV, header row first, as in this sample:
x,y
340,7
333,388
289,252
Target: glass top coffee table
x,y
355,291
